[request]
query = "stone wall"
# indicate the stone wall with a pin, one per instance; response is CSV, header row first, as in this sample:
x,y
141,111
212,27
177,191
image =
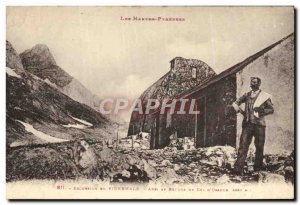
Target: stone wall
x,y
179,79
215,126
276,69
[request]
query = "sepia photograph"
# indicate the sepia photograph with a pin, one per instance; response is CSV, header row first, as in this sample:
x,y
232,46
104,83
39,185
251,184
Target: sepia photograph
x,y
150,102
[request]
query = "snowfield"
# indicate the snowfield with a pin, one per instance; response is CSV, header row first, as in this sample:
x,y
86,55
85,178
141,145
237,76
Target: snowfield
x,y
17,143
41,135
83,121
79,126
12,73
50,83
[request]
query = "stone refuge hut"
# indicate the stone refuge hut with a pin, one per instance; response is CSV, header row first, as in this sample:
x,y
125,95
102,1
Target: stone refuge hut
x,y
184,75
214,125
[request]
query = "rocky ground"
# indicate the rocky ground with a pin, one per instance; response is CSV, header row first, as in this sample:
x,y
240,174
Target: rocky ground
x,y
167,166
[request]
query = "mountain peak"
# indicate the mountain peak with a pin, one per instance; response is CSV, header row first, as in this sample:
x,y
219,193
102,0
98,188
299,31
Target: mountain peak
x,y
12,58
41,47
38,56
39,61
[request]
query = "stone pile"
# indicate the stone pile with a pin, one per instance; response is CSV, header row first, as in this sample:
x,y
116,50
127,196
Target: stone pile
x,y
203,165
186,143
139,141
167,166
170,165
281,164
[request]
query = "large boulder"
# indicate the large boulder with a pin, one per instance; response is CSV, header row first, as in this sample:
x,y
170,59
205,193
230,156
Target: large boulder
x,y
169,176
267,177
150,170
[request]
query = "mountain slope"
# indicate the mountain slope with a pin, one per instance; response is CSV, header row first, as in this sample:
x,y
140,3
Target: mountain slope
x,y
78,92
40,62
33,103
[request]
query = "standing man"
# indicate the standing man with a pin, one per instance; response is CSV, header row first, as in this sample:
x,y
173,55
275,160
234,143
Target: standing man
x,y
257,105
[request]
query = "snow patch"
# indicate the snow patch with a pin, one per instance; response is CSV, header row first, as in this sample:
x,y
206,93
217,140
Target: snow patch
x,y
17,143
12,73
78,126
50,83
41,135
83,121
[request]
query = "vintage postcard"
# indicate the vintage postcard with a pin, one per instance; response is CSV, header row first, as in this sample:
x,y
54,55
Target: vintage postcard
x,y
150,103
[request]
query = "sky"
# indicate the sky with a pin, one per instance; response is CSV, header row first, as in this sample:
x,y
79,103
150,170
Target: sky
x,y
115,58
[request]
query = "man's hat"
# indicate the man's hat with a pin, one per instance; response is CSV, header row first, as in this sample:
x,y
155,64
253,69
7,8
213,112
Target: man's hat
x,y
258,79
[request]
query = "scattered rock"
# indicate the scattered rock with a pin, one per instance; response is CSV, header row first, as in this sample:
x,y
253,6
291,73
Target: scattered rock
x,y
169,176
151,171
152,163
266,177
166,163
224,179
125,173
289,174
176,167
237,178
